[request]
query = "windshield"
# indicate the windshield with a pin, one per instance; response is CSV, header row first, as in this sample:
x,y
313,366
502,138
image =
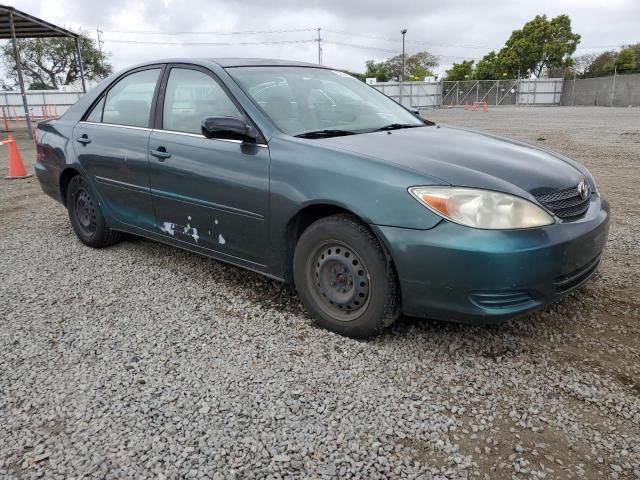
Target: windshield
x,y
302,99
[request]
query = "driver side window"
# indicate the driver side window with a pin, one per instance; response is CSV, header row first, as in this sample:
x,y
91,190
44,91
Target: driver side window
x,y
192,96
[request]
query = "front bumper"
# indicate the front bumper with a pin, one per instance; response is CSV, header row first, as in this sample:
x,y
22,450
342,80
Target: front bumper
x,y
457,273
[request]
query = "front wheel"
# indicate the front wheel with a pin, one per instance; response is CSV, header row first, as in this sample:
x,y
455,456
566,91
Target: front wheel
x,y
344,278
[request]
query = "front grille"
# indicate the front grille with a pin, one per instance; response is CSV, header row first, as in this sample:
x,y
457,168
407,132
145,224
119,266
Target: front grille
x,y
566,282
565,203
501,299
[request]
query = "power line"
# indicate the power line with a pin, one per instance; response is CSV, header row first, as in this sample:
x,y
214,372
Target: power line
x,y
386,50
398,40
245,32
299,30
197,44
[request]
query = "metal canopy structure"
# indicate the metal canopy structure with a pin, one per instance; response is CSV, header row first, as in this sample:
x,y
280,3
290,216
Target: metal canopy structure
x,y
15,24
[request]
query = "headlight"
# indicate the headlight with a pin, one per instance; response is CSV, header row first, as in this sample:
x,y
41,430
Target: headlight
x,y
482,208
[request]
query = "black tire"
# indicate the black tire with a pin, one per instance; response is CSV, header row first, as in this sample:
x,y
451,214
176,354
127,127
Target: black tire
x,y
344,279
86,217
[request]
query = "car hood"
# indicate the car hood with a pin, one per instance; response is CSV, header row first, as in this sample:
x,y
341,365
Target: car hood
x,y
468,158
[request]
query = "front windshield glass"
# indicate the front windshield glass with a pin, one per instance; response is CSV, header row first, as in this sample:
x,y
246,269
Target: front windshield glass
x,y
303,99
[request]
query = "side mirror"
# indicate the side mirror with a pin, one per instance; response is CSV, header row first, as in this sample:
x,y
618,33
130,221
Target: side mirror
x,y
228,128
415,112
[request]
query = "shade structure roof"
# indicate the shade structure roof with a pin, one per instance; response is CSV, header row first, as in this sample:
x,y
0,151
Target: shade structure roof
x,y
28,26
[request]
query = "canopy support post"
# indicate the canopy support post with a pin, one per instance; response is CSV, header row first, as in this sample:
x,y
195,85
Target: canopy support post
x,y
84,86
16,53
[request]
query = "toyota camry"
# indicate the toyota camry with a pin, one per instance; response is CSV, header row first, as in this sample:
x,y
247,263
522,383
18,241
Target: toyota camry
x,y
305,174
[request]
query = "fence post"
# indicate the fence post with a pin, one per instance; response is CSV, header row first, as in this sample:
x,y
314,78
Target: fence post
x,y
613,87
410,93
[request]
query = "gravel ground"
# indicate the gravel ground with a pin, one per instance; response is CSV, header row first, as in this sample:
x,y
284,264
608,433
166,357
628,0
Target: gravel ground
x,y
143,361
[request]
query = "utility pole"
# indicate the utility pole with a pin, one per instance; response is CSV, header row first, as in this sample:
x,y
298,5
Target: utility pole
x,y
403,32
100,42
319,40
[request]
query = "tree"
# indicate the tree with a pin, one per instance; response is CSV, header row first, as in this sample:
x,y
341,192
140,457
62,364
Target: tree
x,y
377,70
541,44
625,60
487,68
602,65
48,63
418,65
582,63
636,51
461,71
360,76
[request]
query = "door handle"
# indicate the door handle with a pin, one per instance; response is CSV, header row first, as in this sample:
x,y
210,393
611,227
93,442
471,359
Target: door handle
x,y
160,153
83,139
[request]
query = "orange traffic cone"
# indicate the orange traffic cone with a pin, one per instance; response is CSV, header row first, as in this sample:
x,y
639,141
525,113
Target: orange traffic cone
x,y
485,107
466,105
475,107
16,166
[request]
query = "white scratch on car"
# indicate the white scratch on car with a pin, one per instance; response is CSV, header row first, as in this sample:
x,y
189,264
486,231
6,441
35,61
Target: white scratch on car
x,y
168,227
216,221
194,234
221,240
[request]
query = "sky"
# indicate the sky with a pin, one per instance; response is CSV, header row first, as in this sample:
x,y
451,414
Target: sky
x,y
353,31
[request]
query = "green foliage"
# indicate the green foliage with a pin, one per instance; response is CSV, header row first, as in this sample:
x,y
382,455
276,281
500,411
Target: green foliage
x,y
487,68
539,45
39,86
602,65
377,70
360,76
417,67
625,60
461,71
48,63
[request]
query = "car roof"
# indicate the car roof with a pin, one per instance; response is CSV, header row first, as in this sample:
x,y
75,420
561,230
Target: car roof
x,y
261,62
234,62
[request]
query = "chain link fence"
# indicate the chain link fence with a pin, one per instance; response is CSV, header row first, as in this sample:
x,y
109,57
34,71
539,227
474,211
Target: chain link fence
x,y
545,91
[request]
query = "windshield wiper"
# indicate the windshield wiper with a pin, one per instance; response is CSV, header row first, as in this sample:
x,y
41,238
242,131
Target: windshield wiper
x,y
396,126
325,133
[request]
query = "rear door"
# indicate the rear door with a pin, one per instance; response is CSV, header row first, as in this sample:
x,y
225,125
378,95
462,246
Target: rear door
x,y
112,144
206,192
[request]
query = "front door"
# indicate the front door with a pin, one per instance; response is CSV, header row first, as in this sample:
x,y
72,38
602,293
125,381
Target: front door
x,y
112,144
206,192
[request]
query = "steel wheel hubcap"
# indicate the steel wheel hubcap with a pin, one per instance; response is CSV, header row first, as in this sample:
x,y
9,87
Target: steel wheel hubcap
x,y
84,210
341,279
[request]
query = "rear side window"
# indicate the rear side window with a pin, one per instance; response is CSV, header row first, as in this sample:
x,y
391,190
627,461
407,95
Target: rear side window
x,y
96,114
128,102
191,96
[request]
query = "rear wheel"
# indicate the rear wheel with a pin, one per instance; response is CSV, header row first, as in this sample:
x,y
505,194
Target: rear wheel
x,y
344,278
86,217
